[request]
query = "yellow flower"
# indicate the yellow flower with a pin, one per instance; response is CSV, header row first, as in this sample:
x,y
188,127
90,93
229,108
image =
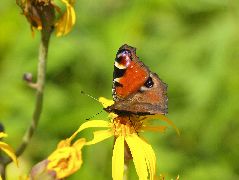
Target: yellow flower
x,y
66,159
41,13
126,129
7,149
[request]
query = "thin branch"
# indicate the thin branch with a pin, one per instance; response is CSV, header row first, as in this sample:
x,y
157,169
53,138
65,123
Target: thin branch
x,y
41,74
39,94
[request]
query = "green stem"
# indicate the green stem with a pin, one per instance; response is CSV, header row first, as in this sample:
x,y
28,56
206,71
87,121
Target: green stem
x,y
39,92
41,75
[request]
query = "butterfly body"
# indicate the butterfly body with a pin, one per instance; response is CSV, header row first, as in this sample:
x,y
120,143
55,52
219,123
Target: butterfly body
x,y
136,90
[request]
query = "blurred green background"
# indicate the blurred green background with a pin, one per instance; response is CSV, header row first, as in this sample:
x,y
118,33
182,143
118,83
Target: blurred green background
x,y
192,45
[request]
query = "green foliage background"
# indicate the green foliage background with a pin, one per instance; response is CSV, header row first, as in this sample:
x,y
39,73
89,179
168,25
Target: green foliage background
x,y
192,45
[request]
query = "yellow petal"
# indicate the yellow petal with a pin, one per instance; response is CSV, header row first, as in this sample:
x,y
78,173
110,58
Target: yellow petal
x,y
100,136
66,22
58,154
138,156
118,159
9,151
163,118
64,143
154,128
2,135
149,157
91,124
79,143
112,116
23,177
106,102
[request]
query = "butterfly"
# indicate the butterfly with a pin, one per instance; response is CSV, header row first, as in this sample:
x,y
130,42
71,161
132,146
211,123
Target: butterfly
x,y
136,90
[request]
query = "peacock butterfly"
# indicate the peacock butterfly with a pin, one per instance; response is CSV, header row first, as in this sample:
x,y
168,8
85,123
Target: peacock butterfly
x,y
136,90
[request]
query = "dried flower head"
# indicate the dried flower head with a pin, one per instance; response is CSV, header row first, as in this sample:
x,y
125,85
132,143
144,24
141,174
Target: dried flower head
x,y
41,15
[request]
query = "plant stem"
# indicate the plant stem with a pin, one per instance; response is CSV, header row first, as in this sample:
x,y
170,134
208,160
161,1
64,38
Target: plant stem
x,y
41,74
39,92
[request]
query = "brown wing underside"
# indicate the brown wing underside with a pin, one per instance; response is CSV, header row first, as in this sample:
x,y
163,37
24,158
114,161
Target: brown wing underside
x,y
145,101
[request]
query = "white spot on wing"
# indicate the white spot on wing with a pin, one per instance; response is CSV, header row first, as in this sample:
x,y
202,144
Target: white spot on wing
x,y
120,66
117,80
143,88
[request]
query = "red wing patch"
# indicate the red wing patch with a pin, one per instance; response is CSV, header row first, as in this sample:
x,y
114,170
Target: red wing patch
x,y
134,77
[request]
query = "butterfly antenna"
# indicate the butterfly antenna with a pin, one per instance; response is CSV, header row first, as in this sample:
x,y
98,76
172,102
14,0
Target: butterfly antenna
x,y
82,92
94,115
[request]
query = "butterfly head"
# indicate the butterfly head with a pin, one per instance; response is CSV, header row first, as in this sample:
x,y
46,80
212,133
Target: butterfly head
x,y
124,56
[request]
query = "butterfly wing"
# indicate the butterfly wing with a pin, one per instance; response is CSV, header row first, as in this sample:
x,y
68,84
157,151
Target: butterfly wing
x,y
136,90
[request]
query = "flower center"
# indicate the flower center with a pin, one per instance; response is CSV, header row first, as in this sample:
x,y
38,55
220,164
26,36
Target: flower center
x,y
126,125
63,164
